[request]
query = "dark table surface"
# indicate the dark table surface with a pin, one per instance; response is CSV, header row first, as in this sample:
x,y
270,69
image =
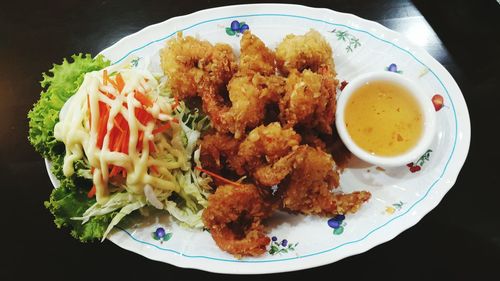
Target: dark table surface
x,y
459,239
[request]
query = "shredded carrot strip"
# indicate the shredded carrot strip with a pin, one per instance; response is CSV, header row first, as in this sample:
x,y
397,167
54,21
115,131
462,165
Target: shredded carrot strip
x,y
218,177
151,147
102,128
107,80
124,147
91,192
105,77
107,94
113,139
119,82
143,116
142,98
176,103
162,128
117,125
113,171
154,169
117,144
120,122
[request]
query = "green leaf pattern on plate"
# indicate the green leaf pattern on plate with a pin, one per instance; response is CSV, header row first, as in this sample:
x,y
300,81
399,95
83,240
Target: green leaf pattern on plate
x,y
351,40
282,247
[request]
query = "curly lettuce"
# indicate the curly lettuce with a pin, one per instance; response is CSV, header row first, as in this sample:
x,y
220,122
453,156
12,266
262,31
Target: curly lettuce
x,y
60,83
70,199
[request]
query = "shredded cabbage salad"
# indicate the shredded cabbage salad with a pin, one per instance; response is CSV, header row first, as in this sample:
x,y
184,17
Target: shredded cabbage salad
x,y
118,142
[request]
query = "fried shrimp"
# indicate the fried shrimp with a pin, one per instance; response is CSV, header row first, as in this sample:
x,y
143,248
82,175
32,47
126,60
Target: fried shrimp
x,y
234,218
267,144
274,173
308,51
309,188
193,65
312,138
219,151
250,90
255,56
331,144
248,98
216,107
310,100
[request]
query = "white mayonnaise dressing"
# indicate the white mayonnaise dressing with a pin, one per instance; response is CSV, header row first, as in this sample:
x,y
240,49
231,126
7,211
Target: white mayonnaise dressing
x,y
80,138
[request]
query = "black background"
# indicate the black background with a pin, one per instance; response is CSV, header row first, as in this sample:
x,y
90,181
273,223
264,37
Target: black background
x,y
459,239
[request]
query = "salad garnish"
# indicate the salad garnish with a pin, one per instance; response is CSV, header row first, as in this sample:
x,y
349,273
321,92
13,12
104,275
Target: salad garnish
x,y
118,142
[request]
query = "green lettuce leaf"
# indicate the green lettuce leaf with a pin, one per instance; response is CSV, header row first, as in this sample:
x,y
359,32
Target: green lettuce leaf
x,y
70,199
60,83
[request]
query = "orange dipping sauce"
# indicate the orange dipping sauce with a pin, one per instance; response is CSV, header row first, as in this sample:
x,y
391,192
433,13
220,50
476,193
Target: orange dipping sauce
x,y
383,118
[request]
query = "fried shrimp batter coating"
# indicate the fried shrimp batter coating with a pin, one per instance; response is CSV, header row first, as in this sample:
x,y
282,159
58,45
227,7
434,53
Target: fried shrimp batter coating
x,y
193,65
308,51
255,56
251,89
309,188
331,144
197,68
312,138
248,96
274,173
216,107
234,218
267,144
219,151
310,100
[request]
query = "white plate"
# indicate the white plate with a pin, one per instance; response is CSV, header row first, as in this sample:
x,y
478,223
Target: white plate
x,y
400,198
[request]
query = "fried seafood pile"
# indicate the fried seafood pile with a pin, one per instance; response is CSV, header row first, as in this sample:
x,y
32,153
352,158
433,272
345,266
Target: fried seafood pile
x,y
272,114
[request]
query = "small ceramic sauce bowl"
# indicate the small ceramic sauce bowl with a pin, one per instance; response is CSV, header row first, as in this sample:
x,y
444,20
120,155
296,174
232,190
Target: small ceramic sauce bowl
x,y
423,101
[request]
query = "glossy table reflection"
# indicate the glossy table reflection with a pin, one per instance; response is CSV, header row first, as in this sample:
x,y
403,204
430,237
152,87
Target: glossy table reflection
x,y
460,239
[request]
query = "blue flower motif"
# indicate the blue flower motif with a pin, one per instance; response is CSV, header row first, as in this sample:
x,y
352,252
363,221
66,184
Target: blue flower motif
x,y
281,247
337,223
160,232
161,235
393,68
236,28
333,223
